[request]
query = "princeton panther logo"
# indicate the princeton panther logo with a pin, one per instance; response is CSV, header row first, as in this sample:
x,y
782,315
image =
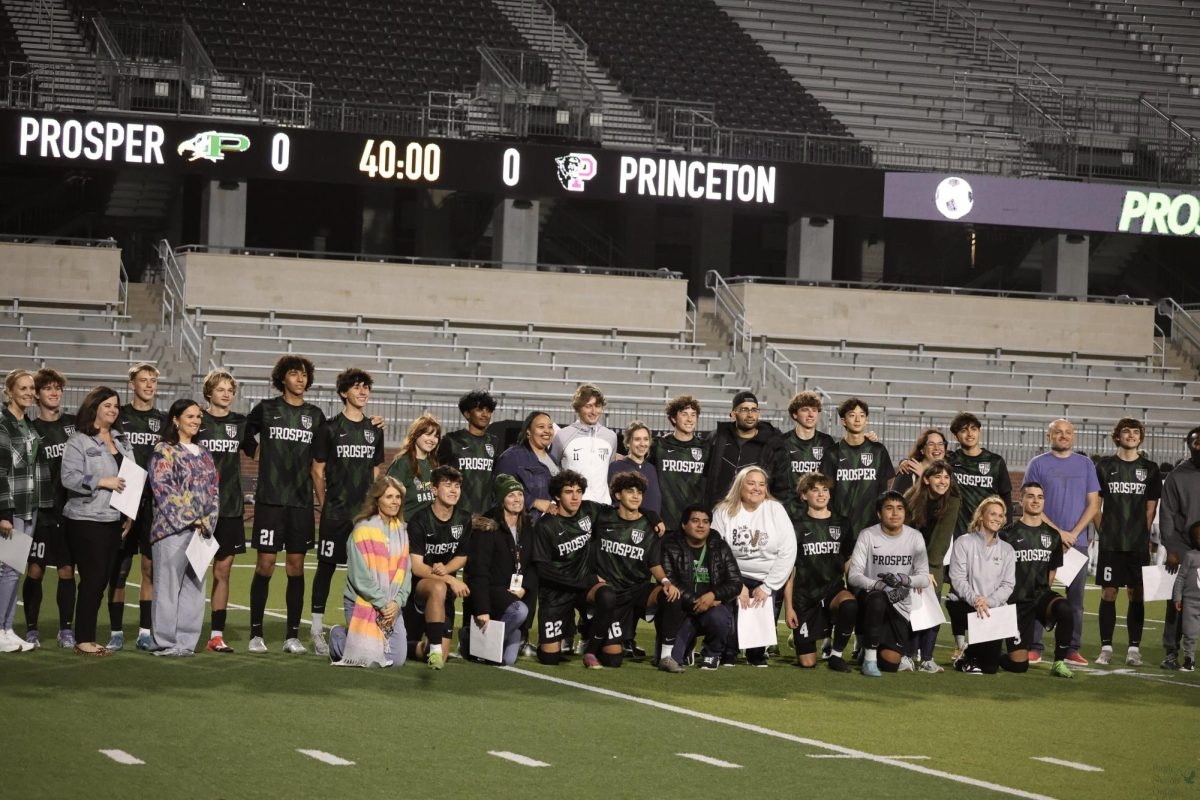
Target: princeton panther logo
x,y
491,451
835,532
866,458
818,452
1141,474
1046,540
637,536
369,436
984,469
306,421
697,454
575,170
153,424
231,431
456,531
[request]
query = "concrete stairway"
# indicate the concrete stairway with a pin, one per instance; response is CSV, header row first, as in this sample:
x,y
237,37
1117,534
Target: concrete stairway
x,y
66,75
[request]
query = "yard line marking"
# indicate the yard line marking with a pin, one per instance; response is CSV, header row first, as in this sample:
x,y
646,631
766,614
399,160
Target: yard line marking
x,y
121,757
328,758
746,726
898,758
716,762
1071,764
517,758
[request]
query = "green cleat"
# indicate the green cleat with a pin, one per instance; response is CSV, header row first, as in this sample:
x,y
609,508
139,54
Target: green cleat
x,y
1061,670
435,660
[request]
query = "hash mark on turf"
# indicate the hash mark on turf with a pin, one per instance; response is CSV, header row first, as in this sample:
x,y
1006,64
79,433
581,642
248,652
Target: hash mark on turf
x,y
1071,764
894,758
328,758
517,758
716,762
121,757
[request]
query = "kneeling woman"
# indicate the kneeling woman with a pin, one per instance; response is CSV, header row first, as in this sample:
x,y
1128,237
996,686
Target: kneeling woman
x,y
377,584
495,573
982,577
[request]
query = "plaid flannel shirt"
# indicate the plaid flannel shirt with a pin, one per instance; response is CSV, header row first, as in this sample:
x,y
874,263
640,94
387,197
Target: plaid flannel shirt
x,y
24,472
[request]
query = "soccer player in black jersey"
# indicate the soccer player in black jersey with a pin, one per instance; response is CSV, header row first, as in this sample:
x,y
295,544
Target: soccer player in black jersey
x,y
49,541
1130,486
347,459
472,451
815,596
281,430
439,539
221,432
977,472
1038,552
680,457
624,553
143,425
792,455
860,468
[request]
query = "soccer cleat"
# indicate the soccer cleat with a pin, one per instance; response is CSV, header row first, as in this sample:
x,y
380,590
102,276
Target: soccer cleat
x,y
870,669
33,638
760,662
1035,657
1133,657
116,641
827,650
66,639
906,665
631,650
967,667
217,645
528,651
1169,662
1188,665
838,664
669,664
1105,656
591,662
320,646
1076,660
773,650
434,659
256,645
709,663
1061,670
728,660
931,666
145,641
294,647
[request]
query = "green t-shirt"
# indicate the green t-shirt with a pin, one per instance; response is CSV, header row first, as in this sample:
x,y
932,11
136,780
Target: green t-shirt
x,y
418,489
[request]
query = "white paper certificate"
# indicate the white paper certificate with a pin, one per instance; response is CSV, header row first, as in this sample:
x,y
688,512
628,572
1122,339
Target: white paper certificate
x,y
487,644
14,551
1157,583
200,552
1073,561
926,611
1001,624
128,499
756,626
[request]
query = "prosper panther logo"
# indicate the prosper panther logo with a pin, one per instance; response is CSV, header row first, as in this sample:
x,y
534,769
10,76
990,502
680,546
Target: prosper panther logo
x,y
213,145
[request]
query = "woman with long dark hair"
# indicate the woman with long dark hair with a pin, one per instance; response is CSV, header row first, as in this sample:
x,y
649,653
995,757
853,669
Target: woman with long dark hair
x,y
932,504
529,462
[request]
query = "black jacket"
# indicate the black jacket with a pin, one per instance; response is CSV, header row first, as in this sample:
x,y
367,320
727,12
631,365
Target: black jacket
x,y
729,453
725,577
491,562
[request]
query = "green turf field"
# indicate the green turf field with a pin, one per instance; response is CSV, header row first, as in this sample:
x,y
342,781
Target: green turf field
x,y
232,726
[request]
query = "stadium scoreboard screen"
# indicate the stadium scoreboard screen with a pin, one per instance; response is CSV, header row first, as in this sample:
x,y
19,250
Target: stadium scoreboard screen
x,y
222,151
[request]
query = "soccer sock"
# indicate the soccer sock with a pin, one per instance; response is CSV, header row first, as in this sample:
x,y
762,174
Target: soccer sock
x,y
66,603
259,587
144,616
960,642
843,626
218,621
1135,620
295,604
116,616
1108,621
320,588
318,623
434,632
870,654
31,596
1064,628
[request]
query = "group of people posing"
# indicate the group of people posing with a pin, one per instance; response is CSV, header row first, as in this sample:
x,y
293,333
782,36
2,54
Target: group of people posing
x,y
570,529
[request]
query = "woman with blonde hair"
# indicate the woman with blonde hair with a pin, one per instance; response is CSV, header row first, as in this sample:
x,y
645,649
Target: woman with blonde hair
x,y
982,577
758,530
414,464
378,582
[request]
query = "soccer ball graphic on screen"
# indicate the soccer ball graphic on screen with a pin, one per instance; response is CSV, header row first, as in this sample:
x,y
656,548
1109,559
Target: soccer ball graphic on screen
x,y
954,198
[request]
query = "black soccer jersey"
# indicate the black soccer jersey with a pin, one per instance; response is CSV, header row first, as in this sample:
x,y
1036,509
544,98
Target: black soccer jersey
x,y
680,467
418,488
438,542
1126,487
142,429
54,437
624,550
285,435
560,548
821,553
350,452
979,477
860,474
474,457
223,437
792,457
1037,551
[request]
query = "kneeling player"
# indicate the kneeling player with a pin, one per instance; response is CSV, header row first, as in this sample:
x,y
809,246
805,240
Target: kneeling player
x,y
816,596
889,561
1038,552
560,555
626,553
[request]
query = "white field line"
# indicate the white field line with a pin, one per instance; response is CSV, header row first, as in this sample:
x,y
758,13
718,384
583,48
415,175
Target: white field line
x,y
517,758
121,757
327,758
1071,764
716,762
897,758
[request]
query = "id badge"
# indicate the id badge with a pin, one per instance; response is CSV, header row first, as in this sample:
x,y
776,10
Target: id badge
x,y
515,582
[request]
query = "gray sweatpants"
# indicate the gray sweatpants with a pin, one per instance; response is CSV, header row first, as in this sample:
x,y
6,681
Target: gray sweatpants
x,y
10,579
178,610
1189,620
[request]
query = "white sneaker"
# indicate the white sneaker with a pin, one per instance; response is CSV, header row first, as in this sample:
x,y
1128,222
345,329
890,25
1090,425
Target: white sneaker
x,y
294,647
256,645
11,643
320,646
1133,657
906,665
1105,656
931,666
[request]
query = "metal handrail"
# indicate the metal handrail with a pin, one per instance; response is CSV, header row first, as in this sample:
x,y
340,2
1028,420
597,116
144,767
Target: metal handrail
x,y
1183,325
731,309
174,314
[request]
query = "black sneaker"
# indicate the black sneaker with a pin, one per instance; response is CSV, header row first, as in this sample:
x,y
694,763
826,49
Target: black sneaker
x,y
1188,665
1169,662
827,650
838,664
632,650
968,667
760,661
710,663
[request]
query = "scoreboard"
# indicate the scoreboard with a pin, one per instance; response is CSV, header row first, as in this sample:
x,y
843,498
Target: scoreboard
x,y
228,151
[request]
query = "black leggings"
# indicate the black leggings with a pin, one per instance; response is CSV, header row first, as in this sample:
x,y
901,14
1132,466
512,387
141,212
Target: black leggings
x,y
95,546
